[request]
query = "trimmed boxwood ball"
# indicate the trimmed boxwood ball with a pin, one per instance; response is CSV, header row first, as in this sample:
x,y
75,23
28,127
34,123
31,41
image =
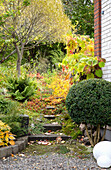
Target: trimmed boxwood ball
x,y
89,102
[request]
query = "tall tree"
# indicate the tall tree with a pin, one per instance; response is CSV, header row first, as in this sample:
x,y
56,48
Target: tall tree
x,y
83,12
24,21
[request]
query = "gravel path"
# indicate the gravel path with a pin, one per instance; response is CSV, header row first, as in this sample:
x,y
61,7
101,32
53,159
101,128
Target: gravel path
x,y
51,161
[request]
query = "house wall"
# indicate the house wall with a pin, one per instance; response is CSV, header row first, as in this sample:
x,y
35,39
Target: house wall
x,y
106,37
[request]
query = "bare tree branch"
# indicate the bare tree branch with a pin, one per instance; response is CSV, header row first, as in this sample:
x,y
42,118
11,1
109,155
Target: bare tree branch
x,y
13,52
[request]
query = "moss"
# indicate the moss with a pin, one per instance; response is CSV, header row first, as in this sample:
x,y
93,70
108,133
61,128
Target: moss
x,y
71,150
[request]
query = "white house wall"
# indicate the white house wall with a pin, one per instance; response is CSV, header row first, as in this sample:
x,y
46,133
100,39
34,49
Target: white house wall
x,y
106,37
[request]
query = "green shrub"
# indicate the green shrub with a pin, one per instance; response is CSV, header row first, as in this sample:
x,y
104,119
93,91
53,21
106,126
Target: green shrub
x,y
89,102
10,113
36,127
70,128
20,88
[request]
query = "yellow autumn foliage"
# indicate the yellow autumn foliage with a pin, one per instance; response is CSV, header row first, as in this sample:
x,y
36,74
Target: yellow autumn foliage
x,y
6,137
40,19
60,86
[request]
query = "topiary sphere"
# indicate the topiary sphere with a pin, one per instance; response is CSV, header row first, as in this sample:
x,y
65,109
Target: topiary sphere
x,y
89,101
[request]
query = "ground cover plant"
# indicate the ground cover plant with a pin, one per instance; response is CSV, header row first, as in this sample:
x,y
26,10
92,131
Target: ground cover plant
x,y
70,148
89,102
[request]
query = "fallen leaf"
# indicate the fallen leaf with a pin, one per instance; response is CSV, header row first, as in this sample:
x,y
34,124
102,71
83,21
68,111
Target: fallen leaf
x,y
12,142
12,155
22,155
55,123
49,131
39,142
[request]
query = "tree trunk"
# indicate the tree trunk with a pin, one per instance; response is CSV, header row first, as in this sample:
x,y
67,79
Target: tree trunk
x,y
18,65
20,55
104,133
90,137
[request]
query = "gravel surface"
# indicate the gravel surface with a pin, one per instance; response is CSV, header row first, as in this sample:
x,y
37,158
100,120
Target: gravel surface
x,y
51,161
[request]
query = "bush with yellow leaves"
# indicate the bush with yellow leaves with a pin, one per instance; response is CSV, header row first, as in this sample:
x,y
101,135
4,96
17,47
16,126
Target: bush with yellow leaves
x,y
60,86
6,137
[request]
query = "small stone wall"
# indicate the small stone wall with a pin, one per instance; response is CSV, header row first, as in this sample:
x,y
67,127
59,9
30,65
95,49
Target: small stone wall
x,y
20,145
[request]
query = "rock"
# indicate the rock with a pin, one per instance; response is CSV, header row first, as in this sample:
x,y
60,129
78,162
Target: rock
x,y
39,120
82,127
102,153
86,140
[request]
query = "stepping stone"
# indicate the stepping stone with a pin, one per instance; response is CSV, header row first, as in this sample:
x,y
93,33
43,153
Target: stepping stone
x,y
49,116
50,107
58,97
52,127
47,137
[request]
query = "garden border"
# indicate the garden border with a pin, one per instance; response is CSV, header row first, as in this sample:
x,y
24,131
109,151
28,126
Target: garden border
x,y
20,144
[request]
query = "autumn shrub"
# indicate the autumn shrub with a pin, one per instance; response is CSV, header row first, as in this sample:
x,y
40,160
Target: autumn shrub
x,y
80,61
89,102
60,86
6,137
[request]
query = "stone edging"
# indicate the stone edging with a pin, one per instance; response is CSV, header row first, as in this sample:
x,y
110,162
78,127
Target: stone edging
x,y
20,145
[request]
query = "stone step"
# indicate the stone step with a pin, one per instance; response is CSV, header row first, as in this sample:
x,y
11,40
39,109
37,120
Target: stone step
x,y
50,107
49,116
58,97
50,137
52,127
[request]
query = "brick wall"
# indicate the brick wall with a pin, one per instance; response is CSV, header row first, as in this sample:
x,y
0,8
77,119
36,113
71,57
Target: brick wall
x,y
106,37
97,28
